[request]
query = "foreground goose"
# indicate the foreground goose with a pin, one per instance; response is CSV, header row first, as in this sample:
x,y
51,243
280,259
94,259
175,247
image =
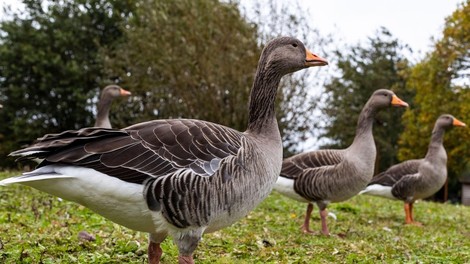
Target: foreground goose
x,y
419,178
177,177
108,94
333,175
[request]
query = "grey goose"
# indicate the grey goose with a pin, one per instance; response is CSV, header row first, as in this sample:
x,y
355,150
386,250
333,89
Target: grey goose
x,y
108,94
177,177
335,175
417,178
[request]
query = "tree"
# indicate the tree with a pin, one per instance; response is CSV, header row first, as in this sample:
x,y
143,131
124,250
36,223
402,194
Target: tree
x,y
380,64
441,85
50,67
299,93
204,66
191,59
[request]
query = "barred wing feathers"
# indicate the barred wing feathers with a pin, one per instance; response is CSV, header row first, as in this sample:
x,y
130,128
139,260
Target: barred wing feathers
x,y
143,151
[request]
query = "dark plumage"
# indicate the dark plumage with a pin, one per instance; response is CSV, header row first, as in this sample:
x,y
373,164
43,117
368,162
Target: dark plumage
x,y
108,94
419,178
335,175
177,177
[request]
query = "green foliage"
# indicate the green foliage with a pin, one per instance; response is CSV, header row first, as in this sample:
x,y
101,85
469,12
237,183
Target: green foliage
x,y
299,93
441,85
364,69
50,67
190,59
197,59
39,228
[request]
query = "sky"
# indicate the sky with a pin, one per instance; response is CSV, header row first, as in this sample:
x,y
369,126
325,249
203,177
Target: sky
x,y
413,22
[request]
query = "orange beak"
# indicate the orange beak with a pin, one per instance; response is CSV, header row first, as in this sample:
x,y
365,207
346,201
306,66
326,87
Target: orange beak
x,y
124,92
314,60
398,102
457,122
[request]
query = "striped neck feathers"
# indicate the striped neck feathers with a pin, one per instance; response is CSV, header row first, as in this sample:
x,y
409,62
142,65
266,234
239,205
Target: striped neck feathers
x,y
262,98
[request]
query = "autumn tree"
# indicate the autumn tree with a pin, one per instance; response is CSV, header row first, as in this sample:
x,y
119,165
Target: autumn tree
x,y
441,83
379,63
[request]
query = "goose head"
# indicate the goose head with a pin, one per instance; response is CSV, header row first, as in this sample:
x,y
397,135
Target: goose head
x,y
383,98
447,121
114,91
287,54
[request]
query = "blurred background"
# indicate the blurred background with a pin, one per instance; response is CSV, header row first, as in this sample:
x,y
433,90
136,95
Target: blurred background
x,y
196,59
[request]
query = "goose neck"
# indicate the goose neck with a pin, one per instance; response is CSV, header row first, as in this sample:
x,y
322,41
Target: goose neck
x,y
436,143
262,101
365,123
102,116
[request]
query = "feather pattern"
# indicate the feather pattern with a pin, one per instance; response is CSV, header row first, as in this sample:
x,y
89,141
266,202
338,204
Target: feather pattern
x,y
395,173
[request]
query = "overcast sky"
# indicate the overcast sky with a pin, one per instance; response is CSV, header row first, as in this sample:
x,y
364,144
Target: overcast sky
x,y
412,21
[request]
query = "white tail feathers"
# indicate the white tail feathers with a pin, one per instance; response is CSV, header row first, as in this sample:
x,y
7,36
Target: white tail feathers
x,y
378,190
31,177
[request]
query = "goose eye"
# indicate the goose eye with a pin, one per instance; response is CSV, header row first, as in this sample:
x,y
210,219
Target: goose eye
x,y
294,45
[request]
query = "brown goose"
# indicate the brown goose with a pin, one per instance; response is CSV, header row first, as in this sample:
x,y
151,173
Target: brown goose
x,y
335,175
108,94
419,178
178,177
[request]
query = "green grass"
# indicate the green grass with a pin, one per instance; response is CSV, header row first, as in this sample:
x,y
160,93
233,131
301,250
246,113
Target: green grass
x,y
38,228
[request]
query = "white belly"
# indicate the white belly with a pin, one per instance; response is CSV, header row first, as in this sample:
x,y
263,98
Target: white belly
x,y
119,201
285,187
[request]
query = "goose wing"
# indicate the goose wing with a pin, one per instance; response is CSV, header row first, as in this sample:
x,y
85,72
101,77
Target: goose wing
x,y
295,166
396,173
143,151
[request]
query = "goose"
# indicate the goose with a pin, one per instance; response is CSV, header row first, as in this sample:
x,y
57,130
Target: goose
x,y
417,178
178,177
335,175
108,94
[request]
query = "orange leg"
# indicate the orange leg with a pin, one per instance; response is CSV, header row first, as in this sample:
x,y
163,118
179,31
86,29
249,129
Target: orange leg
x,y
409,215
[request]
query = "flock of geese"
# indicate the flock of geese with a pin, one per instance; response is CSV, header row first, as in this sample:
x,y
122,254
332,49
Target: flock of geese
x,y
185,177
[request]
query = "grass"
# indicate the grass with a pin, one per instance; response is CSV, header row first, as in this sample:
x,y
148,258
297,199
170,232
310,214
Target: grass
x,y
38,228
